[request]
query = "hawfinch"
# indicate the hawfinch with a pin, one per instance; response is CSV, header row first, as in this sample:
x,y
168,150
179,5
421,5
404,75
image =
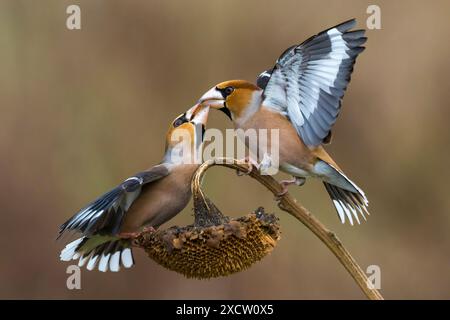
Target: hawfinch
x,y
301,96
145,200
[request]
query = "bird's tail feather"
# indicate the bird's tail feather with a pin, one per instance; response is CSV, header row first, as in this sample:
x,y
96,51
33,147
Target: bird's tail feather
x,y
348,199
102,252
348,203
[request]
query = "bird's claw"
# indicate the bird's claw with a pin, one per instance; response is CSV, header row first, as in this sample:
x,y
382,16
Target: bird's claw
x,y
133,235
129,235
281,194
148,229
286,183
250,164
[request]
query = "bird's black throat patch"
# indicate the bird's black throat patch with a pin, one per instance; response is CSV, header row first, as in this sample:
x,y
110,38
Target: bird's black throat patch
x,y
225,110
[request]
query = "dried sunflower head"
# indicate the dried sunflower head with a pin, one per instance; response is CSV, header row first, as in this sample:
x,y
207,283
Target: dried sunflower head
x,y
214,250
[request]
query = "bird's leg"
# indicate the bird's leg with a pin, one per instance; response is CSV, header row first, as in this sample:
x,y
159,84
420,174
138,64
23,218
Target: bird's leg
x,y
250,163
128,235
299,181
132,235
148,229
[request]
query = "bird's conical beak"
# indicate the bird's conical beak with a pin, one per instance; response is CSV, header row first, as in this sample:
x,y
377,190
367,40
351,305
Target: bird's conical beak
x,y
198,114
212,98
201,115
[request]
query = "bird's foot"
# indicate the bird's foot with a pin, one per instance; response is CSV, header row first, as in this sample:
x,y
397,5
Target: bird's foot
x,y
133,235
128,235
148,229
286,183
250,164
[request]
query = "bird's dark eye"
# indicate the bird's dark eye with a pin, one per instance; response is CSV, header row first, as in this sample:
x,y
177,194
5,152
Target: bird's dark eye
x,y
178,122
225,91
228,91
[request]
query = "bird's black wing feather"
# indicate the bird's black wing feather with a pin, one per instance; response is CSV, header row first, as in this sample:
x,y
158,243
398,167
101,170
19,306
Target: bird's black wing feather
x,y
105,214
308,80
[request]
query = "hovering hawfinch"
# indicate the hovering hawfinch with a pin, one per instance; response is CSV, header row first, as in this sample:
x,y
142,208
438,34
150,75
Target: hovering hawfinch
x,y
145,200
301,96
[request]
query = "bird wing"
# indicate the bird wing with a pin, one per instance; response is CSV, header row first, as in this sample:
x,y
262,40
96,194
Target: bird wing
x,y
308,80
105,214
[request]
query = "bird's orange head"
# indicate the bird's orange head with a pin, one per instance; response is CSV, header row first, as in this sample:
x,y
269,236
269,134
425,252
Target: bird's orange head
x,y
234,97
187,130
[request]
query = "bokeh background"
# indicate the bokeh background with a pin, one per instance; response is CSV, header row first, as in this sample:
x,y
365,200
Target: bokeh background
x,y
82,110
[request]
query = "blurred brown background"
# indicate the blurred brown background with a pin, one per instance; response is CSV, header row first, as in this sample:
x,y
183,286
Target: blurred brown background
x,y
82,110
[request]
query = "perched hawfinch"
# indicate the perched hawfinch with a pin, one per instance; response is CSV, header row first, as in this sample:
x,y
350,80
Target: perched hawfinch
x,y
301,96
145,200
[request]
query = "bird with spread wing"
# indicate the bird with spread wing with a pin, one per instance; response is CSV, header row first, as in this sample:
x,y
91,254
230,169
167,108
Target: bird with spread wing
x,y
301,97
142,202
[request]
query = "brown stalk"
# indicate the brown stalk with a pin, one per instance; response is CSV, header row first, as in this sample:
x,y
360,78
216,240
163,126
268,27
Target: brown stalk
x,y
290,205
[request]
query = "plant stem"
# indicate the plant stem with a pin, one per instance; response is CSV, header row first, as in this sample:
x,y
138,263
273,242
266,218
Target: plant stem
x,y
289,204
